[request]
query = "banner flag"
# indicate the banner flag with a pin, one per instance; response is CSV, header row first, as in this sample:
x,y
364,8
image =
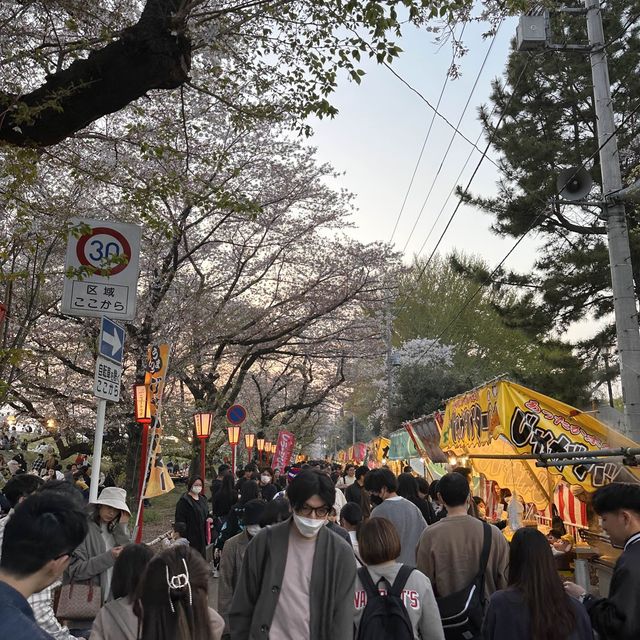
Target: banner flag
x,y
284,450
158,479
156,374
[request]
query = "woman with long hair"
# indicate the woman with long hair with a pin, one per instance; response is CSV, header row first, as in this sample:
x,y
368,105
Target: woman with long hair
x,y
192,509
408,489
535,605
116,620
234,525
224,499
171,600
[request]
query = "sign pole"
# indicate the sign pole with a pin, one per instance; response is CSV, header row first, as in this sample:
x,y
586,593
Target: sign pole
x,y
97,450
145,473
144,461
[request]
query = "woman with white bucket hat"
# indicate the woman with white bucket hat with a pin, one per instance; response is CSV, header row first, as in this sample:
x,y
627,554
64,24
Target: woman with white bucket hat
x,y
92,562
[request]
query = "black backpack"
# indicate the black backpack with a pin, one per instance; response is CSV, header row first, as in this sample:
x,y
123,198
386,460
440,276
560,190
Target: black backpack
x,y
462,612
385,617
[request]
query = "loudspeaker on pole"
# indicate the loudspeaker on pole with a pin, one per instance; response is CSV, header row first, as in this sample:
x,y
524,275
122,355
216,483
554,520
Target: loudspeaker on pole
x,y
574,184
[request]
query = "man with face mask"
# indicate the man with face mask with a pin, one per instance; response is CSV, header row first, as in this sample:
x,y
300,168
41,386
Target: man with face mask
x,y
232,555
297,578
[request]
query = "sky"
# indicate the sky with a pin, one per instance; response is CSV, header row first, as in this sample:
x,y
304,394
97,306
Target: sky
x,y
375,142
376,139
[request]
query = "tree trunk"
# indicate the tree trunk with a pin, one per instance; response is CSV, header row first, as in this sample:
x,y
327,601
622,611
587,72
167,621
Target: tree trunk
x,y
154,53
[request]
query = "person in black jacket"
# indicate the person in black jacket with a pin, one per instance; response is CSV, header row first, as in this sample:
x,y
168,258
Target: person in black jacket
x,y
234,522
192,509
268,489
356,493
408,489
618,616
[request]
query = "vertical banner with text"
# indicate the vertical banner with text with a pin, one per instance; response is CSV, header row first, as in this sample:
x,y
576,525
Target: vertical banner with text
x,y
158,480
284,450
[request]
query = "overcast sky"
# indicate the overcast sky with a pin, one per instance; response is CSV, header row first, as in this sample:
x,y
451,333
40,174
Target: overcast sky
x,y
376,139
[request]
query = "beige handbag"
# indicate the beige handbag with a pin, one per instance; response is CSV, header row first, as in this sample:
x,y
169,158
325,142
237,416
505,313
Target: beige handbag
x,y
79,601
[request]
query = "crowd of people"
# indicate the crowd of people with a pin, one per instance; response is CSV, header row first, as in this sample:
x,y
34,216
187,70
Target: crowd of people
x,y
315,552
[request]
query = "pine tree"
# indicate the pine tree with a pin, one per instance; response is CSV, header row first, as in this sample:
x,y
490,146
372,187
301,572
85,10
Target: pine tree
x,y
544,108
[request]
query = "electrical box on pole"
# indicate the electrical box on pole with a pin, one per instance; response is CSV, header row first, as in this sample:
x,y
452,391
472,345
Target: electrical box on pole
x,y
531,33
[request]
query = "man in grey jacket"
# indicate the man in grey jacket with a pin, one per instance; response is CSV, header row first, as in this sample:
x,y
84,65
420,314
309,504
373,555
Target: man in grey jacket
x,y
232,556
405,516
297,577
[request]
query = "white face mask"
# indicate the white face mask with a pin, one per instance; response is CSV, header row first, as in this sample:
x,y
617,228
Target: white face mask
x,y
308,527
265,479
252,529
196,490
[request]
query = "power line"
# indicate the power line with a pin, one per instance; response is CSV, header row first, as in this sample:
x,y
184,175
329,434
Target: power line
x,y
453,137
513,248
424,143
473,175
472,297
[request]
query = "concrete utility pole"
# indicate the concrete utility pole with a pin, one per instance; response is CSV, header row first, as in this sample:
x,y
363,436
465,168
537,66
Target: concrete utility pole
x,y
388,326
353,429
624,299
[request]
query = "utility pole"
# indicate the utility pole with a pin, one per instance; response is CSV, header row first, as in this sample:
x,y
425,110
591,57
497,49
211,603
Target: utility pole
x,y
534,34
389,367
624,299
353,429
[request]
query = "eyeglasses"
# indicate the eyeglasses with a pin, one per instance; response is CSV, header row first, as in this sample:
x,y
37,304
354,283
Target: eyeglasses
x,y
321,512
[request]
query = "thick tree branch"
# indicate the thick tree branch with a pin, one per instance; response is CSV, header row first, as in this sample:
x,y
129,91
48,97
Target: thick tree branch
x,y
155,53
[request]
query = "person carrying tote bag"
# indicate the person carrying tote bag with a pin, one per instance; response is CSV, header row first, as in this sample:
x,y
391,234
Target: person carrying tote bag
x,y
87,580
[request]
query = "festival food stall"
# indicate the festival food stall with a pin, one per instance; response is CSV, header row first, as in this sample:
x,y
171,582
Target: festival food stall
x,y
516,439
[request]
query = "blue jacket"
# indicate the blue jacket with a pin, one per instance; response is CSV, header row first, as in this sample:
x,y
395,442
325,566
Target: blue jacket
x,y
16,617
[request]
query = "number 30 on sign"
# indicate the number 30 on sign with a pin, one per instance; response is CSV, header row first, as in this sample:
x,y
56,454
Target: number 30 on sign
x,y
101,269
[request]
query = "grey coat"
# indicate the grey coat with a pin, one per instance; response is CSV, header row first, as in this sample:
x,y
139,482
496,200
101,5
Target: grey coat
x,y
230,565
332,582
90,561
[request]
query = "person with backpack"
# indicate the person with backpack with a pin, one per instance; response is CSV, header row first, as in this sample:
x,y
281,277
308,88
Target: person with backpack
x,y
465,558
534,606
392,600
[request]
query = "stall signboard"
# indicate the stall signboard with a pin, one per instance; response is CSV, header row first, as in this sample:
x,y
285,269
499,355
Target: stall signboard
x,y
531,423
402,446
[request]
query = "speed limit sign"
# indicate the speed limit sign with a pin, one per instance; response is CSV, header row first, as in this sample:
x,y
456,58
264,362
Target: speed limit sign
x,y
101,269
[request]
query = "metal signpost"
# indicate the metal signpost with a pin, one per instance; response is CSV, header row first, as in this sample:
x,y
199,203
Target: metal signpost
x,y
106,387
101,278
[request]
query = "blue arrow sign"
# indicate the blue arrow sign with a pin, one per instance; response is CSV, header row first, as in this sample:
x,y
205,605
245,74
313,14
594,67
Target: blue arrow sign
x,y
111,344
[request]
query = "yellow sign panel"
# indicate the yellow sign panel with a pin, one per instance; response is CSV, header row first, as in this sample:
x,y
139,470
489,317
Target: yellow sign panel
x,y
156,374
159,481
531,423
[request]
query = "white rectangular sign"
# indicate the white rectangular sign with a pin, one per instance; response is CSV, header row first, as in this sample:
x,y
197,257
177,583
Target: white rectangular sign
x,y
106,383
101,269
